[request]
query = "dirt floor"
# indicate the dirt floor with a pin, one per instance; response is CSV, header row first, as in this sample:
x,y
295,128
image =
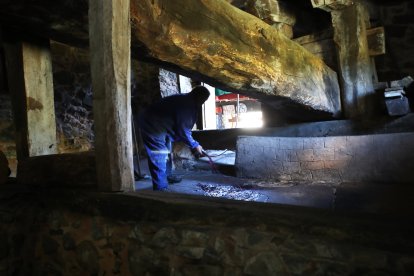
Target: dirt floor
x,y
359,197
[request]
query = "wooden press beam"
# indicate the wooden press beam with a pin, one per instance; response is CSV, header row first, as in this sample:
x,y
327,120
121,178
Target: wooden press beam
x,y
208,40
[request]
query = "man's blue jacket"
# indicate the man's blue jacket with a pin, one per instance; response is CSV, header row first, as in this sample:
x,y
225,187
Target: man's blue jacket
x,y
172,116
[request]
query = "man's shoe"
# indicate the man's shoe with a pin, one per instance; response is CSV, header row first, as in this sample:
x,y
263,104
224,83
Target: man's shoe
x,y
164,190
174,179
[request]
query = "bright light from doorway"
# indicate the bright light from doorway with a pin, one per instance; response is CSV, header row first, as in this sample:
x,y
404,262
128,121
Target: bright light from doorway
x,y
250,119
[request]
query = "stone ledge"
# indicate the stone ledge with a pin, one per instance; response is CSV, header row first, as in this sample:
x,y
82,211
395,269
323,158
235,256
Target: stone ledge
x,y
69,169
135,233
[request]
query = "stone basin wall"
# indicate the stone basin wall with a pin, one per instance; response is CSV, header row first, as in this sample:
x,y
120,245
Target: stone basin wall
x,y
359,158
57,232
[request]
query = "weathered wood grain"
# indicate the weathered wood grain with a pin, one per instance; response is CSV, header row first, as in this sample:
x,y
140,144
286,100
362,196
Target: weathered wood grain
x,y
29,70
209,40
109,28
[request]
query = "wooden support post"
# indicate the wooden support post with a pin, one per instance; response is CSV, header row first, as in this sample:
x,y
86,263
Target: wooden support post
x,y
110,39
30,78
356,68
357,74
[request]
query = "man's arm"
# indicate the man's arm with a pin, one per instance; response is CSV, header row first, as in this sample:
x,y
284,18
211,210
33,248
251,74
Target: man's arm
x,y
184,135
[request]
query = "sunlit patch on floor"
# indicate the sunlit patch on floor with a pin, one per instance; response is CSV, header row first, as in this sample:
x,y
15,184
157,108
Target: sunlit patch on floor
x,y
231,192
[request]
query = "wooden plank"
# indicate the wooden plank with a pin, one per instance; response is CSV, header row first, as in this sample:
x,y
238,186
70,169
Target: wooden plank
x,y
109,32
376,41
30,78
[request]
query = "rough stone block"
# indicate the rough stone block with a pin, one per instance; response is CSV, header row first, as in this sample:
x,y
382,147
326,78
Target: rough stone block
x,y
301,176
326,175
324,154
281,155
306,155
243,140
359,143
291,167
314,143
275,165
291,143
268,153
273,142
250,169
335,142
268,142
291,155
252,150
273,175
381,157
343,155
312,165
336,164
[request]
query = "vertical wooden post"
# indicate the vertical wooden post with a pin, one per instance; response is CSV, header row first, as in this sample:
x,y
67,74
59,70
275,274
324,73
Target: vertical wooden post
x,y
356,68
29,71
350,20
110,38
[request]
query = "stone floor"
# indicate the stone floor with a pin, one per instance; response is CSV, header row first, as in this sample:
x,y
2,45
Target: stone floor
x,y
389,198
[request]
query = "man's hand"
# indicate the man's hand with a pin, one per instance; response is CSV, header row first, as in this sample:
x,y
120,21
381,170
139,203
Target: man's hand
x,y
198,151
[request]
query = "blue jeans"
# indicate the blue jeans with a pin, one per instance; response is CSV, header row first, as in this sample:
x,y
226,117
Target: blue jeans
x,y
158,148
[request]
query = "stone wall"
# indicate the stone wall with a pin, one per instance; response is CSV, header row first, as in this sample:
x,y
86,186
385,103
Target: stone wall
x,y
77,233
74,95
168,83
7,132
74,99
398,21
382,158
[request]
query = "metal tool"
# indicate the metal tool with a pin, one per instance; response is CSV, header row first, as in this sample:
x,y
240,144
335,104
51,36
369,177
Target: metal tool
x,y
213,166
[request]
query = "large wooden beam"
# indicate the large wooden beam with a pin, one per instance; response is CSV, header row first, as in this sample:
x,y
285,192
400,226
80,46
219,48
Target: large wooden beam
x,y
29,70
210,40
236,51
109,28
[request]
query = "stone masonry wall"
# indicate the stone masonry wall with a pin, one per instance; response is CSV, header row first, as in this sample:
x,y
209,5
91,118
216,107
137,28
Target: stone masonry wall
x,y
398,20
168,83
74,233
7,132
382,157
74,99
